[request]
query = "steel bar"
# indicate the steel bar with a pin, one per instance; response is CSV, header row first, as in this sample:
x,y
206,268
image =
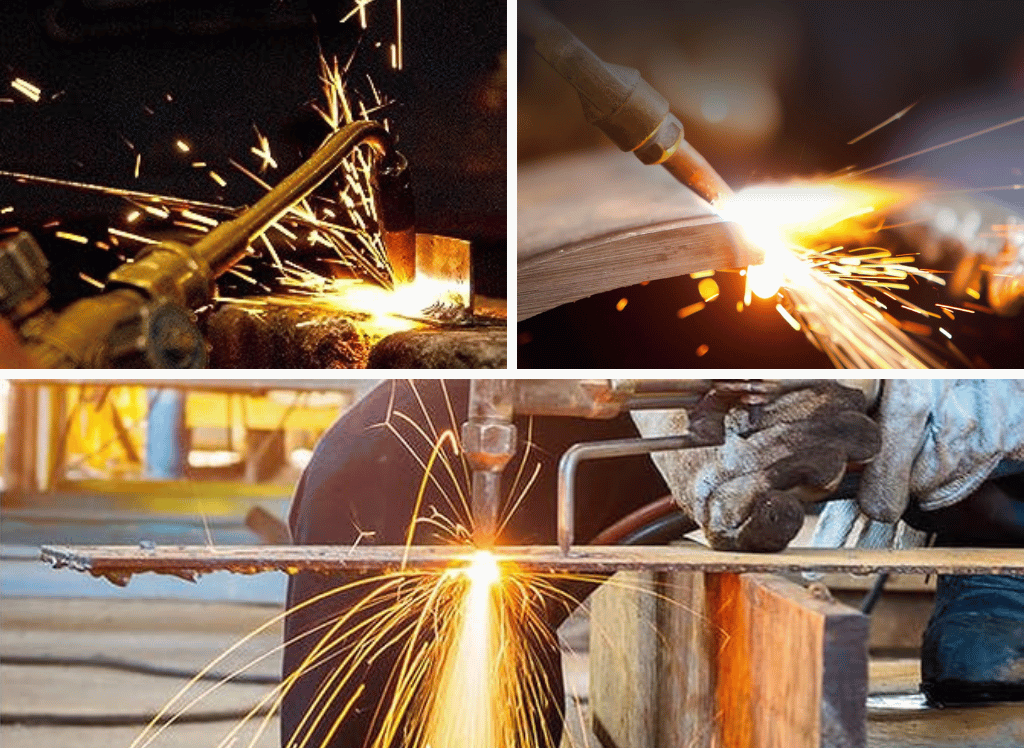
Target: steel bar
x,y
118,563
577,453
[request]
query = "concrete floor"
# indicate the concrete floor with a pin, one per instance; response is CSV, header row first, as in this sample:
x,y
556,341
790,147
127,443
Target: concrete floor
x,y
188,634
171,634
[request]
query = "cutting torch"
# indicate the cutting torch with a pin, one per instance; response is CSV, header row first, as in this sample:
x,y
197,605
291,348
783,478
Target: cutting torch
x,y
621,103
144,317
489,435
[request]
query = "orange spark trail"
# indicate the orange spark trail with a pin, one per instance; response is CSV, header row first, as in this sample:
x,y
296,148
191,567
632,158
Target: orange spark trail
x,y
880,125
987,130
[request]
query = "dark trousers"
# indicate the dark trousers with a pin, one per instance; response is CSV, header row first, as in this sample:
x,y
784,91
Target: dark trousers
x,y
361,485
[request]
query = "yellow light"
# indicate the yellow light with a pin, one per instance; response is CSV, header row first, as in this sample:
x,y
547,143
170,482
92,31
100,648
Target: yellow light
x,y
483,569
708,289
781,219
765,280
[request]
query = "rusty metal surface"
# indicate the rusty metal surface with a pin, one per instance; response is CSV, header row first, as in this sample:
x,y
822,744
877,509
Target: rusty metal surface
x,y
118,563
592,222
443,266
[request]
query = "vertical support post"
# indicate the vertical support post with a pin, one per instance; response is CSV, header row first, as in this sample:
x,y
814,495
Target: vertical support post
x,y
738,660
20,444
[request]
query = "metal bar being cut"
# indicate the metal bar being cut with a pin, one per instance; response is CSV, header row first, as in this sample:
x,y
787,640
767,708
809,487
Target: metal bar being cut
x,y
118,563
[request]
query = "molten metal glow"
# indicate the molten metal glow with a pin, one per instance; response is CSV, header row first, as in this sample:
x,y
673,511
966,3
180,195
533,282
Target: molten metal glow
x,y
785,220
467,708
803,228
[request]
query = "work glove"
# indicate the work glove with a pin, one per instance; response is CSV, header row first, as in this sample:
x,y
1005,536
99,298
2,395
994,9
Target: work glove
x,y
941,439
748,494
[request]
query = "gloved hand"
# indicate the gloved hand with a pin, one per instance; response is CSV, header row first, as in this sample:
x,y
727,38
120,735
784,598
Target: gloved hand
x,y
747,494
941,438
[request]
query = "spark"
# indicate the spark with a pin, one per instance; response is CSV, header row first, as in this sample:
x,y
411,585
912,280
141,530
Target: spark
x,y
348,226
262,151
879,126
984,131
955,308
360,10
702,349
462,640
702,274
91,281
787,316
290,234
802,228
621,304
127,235
686,311
199,218
708,289
8,209
398,27
77,238
26,89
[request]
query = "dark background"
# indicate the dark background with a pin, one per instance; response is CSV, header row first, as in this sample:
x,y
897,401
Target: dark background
x,y
805,78
227,66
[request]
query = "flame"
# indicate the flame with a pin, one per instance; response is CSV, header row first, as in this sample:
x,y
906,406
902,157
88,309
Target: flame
x,y
467,710
786,220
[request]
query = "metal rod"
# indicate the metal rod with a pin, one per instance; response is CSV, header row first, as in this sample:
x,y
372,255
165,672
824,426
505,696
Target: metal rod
x,y
119,562
577,453
226,244
621,103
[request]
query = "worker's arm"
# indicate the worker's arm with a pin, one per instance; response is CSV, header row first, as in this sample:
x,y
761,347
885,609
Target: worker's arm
x,y
940,440
936,440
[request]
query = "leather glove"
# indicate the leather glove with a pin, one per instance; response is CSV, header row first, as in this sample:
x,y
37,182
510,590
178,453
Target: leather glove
x,y
747,494
941,438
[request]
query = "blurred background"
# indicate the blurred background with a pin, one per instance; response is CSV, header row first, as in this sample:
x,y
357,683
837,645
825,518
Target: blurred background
x,y
209,463
772,90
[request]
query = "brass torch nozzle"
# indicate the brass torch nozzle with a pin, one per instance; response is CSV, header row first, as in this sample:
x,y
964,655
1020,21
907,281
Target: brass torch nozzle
x,y
489,441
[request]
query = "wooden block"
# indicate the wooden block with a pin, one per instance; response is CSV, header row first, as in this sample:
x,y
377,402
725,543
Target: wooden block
x,y
624,660
736,660
650,662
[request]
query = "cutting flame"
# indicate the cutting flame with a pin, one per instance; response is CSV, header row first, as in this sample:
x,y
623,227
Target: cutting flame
x,y
785,221
803,229
466,710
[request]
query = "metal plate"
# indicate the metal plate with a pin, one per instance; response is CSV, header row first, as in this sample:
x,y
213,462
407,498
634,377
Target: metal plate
x,y
118,563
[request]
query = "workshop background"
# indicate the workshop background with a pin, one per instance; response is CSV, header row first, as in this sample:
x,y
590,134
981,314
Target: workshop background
x,y
208,463
772,90
128,78
213,463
